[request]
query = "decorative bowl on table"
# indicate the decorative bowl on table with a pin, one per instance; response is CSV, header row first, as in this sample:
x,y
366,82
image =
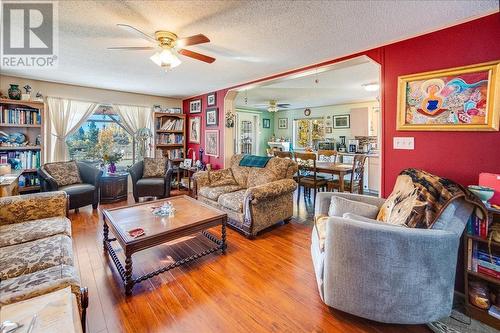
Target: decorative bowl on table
x,y
165,210
482,192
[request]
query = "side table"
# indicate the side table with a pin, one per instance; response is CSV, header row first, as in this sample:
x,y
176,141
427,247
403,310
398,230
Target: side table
x,y
113,187
180,174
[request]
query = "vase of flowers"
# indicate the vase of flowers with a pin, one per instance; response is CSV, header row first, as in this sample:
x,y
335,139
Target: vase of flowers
x,y
111,159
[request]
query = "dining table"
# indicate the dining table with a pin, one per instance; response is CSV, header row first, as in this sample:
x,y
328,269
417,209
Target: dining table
x,y
339,169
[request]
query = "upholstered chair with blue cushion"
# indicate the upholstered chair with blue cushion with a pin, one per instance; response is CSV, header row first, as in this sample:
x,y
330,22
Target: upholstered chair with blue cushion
x,y
383,272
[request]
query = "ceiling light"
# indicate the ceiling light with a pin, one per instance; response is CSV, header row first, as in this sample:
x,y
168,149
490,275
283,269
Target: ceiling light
x,y
371,86
165,59
273,106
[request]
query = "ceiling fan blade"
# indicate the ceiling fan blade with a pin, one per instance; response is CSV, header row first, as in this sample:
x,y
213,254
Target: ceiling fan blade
x,y
192,40
131,48
137,32
197,56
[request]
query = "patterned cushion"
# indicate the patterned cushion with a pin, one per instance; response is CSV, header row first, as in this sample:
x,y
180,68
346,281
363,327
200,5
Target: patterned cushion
x,y
233,200
221,178
23,232
29,207
154,167
213,193
20,259
39,283
64,173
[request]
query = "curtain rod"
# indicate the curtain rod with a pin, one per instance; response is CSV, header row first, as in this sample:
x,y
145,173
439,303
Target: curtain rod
x,y
99,103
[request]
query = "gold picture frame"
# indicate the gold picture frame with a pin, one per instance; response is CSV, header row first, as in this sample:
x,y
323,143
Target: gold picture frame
x,y
455,99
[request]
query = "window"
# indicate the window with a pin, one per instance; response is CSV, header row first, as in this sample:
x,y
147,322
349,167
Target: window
x,y
102,134
307,132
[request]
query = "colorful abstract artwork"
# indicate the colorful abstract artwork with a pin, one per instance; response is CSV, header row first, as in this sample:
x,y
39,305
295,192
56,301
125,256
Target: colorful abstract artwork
x,y
455,99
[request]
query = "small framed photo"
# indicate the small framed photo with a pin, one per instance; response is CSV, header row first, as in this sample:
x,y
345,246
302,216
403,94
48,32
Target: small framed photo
x,y
342,121
212,143
266,123
212,99
212,116
194,129
328,130
283,123
188,163
195,106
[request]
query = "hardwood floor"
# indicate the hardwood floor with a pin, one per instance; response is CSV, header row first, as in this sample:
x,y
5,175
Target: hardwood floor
x,y
261,285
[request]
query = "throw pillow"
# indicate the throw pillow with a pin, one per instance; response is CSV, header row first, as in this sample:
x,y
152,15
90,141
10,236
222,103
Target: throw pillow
x,y
221,178
64,173
320,225
339,206
399,205
154,167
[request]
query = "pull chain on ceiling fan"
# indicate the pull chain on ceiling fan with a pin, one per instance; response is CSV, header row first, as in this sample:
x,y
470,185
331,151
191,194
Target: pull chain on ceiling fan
x,y
170,44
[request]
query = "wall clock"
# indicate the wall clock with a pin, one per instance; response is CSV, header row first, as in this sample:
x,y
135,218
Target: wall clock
x,y
307,112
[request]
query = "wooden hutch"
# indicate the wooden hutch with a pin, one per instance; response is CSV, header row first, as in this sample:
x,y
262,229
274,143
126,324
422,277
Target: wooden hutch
x,y
170,135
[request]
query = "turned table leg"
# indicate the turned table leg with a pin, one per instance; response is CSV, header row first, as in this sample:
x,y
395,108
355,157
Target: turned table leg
x,y
129,284
105,235
223,237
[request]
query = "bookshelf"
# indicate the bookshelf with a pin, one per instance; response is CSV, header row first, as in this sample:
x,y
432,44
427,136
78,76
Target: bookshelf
x,y
25,117
471,242
170,135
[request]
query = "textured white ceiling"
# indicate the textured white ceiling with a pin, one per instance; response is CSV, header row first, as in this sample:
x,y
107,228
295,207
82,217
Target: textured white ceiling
x,y
336,86
250,39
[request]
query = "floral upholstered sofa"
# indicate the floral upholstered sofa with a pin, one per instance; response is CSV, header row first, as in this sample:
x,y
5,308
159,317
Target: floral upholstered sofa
x,y
36,252
254,198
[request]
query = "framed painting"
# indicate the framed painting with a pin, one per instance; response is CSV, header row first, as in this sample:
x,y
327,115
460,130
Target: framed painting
x,y
342,121
212,143
194,129
456,99
212,99
266,123
283,123
195,106
212,117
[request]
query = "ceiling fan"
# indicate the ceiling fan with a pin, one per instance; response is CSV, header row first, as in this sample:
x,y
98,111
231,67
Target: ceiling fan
x,y
169,46
274,106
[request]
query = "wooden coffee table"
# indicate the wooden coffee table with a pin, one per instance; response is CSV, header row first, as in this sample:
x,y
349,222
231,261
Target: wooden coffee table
x,y
191,217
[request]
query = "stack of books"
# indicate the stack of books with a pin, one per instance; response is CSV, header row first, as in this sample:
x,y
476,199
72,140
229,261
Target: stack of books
x,y
174,154
19,116
170,138
480,260
173,125
477,227
30,159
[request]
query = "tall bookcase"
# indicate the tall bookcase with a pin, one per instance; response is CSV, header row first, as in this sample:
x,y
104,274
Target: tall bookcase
x,y
25,117
170,135
472,242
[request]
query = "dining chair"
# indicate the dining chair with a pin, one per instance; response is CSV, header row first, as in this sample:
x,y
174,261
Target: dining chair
x,y
307,175
329,154
355,184
283,154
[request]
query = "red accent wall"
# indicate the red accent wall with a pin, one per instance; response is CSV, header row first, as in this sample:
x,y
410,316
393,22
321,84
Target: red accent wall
x,y
460,156
217,162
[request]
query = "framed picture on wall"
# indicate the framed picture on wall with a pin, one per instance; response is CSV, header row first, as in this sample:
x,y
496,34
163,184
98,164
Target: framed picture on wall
x,y
212,99
328,130
455,99
283,123
194,129
342,121
266,123
195,106
212,117
212,143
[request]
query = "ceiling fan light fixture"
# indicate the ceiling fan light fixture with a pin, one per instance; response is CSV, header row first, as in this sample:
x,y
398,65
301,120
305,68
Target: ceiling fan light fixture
x,y
273,106
165,59
371,86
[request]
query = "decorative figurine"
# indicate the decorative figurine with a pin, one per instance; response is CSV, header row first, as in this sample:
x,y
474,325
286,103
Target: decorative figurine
x,y
26,96
38,97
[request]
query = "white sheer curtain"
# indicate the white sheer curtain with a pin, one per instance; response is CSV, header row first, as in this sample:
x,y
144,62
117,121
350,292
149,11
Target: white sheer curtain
x,y
134,117
65,116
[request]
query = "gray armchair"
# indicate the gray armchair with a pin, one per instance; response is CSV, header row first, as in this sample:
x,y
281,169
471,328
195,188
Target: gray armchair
x,y
80,195
150,187
388,273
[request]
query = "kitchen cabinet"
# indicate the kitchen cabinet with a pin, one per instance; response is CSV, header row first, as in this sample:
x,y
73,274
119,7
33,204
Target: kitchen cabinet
x,y
359,122
374,174
374,121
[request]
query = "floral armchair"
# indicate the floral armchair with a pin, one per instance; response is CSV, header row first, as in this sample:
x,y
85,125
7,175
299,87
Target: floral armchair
x,y
253,198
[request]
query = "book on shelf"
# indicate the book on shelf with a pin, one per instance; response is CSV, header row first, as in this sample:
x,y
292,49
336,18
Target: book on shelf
x,y
170,138
479,260
29,180
477,227
19,116
174,154
494,311
170,125
30,159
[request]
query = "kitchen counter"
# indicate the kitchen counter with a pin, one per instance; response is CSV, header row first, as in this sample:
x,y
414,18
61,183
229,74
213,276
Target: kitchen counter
x,y
373,155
